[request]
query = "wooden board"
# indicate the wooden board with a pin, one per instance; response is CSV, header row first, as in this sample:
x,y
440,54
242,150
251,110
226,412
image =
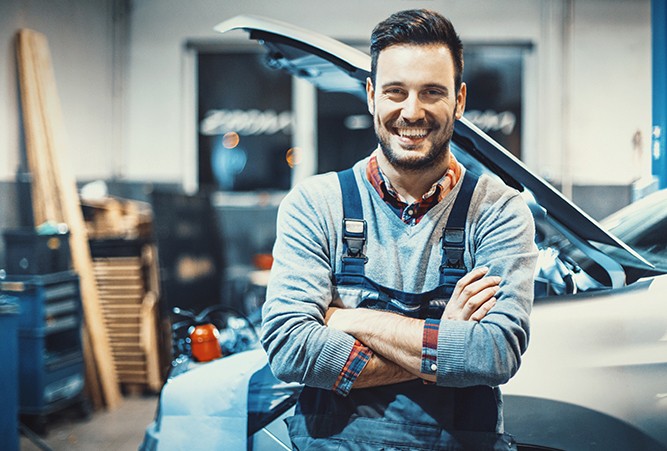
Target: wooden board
x,y
54,192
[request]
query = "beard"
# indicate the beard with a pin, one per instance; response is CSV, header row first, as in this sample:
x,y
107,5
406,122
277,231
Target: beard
x,y
410,159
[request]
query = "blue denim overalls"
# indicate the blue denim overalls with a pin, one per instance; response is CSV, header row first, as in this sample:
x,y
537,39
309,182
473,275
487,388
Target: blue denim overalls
x,y
410,415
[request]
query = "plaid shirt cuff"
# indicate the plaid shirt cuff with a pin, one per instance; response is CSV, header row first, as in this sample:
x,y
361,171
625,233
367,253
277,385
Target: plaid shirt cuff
x,y
356,362
430,346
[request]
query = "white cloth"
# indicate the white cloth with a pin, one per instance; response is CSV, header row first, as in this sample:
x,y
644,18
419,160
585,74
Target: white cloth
x,y
207,407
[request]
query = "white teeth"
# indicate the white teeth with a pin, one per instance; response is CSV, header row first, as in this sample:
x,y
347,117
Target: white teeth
x,y
412,132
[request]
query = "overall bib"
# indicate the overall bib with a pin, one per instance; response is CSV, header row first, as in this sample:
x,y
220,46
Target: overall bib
x,y
410,415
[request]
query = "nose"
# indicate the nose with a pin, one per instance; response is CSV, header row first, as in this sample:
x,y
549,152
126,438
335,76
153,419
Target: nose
x,y
412,109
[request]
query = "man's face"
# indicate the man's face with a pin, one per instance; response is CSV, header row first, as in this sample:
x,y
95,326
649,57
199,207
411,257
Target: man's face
x,y
414,104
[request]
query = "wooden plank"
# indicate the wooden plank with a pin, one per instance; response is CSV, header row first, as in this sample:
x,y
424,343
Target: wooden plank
x,y
149,341
132,262
118,294
122,309
123,271
150,256
122,299
57,198
125,337
35,134
115,329
114,267
51,120
92,382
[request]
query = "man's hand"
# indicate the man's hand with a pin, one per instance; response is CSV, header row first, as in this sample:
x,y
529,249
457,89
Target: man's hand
x,y
473,296
328,318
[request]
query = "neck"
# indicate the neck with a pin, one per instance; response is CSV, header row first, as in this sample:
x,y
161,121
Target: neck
x,y
412,184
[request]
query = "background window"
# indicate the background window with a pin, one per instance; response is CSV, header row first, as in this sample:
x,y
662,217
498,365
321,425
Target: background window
x,y
494,75
244,118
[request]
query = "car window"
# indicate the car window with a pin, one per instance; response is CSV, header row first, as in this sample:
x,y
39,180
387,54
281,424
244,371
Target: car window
x,y
648,239
643,226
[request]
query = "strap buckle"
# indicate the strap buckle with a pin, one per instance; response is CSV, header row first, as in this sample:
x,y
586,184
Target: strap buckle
x,y
453,245
354,237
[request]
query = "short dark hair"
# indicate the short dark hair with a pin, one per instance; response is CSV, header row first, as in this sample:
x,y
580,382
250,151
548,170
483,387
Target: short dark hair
x,y
417,27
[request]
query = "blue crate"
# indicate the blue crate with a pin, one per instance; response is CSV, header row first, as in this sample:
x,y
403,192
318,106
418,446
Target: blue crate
x,y
9,314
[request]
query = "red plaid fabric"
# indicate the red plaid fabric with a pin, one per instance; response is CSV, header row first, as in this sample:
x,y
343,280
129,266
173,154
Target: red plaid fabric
x,y
356,362
430,346
412,213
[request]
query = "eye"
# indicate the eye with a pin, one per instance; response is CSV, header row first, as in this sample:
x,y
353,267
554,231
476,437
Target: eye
x,y
394,93
434,93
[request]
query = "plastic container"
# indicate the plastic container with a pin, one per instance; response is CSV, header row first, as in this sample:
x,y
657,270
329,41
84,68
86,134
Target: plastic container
x,y
9,319
28,252
205,343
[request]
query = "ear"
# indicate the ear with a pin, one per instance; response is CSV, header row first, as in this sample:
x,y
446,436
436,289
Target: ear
x,y
461,101
370,96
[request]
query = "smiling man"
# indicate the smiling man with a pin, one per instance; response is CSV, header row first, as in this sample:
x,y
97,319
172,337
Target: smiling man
x,y
401,288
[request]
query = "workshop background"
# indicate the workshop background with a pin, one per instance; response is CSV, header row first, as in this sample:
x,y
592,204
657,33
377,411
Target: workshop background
x,y
181,146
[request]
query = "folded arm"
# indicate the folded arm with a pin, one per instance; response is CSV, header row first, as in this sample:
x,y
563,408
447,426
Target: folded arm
x,y
399,340
484,330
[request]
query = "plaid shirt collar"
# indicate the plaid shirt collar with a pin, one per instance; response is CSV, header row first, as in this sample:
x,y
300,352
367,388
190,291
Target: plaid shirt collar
x,y
412,213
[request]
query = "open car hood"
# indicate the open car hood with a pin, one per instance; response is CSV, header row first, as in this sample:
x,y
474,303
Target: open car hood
x,y
334,66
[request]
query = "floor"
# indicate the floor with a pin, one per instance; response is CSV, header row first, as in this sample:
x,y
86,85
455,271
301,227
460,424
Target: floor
x,y
118,430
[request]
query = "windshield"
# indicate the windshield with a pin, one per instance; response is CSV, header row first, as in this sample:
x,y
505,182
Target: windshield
x,y
643,226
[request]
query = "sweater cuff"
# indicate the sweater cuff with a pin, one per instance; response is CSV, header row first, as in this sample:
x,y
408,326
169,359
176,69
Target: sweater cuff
x,y
356,362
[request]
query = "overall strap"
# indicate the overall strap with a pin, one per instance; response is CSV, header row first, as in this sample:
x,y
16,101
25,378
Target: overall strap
x,y
453,235
354,225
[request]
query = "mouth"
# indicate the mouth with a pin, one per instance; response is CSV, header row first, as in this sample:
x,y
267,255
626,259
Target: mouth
x,y
411,135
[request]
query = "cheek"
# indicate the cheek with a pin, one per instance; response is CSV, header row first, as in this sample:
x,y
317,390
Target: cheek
x,y
385,115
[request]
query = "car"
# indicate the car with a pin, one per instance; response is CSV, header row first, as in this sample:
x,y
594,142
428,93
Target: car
x,y
595,373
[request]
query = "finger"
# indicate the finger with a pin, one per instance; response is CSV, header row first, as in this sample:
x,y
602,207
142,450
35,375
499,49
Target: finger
x,y
469,278
485,308
476,287
476,302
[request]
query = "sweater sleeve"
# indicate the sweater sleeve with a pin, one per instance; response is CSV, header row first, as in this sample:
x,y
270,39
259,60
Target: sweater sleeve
x,y
299,347
489,352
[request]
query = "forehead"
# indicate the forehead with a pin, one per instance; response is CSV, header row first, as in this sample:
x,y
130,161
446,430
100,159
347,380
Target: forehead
x,y
432,63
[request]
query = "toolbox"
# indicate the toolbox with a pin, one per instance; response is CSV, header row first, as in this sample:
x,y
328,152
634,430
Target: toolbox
x,y
51,367
9,311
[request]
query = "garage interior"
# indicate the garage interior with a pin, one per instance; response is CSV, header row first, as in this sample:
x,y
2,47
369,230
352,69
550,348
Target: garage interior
x,y
116,207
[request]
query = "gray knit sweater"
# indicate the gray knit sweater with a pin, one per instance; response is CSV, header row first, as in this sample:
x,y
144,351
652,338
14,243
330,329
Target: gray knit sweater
x,y
307,252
